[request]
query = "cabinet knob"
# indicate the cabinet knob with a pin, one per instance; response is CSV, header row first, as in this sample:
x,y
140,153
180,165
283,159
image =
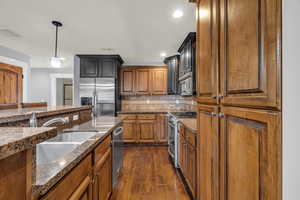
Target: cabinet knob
x,y
221,115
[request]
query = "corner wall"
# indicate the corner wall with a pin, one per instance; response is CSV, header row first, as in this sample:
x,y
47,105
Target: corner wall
x,y
291,99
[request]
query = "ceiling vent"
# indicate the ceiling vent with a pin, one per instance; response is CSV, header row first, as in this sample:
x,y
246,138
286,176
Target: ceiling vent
x,y
9,33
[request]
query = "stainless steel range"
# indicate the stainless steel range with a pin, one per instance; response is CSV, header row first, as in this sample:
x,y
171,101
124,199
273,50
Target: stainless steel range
x,y
173,133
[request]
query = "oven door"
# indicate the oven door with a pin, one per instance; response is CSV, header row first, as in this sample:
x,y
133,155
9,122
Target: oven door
x,y
171,139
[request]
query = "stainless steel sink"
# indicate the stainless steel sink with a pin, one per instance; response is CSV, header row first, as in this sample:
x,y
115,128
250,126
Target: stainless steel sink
x,y
58,147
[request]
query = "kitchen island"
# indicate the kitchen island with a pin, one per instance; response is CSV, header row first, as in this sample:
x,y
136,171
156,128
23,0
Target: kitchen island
x,y
72,161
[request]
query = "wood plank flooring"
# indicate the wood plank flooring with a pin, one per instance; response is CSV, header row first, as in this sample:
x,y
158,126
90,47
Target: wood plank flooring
x,y
147,174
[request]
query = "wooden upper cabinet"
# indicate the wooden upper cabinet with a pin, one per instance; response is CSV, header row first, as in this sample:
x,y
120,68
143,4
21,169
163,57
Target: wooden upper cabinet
x,y
127,82
207,48
159,81
144,80
250,62
208,156
11,84
250,154
89,67
142,84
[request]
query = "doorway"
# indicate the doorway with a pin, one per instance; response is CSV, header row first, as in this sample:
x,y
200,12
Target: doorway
x,y
64,92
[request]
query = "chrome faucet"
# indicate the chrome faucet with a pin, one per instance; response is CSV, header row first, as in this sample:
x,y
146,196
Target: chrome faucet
x,y
33,120
56,120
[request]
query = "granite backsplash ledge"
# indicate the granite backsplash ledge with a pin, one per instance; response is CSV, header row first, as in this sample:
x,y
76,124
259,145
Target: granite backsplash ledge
x,y
165,102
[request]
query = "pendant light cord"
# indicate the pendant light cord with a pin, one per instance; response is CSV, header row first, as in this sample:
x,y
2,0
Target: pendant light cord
x,y
56,38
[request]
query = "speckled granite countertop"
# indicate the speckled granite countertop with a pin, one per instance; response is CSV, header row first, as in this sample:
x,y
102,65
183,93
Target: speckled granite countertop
x,y
11,115
14,140
53,165
149,111
190,123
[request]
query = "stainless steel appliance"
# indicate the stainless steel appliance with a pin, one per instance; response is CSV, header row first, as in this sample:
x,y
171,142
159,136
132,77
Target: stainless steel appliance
x,y
173,134
117,145
99,92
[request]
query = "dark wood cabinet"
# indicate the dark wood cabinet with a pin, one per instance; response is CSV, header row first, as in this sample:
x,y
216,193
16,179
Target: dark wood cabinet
x,y
143,80
89,67
99,66
173,73
187,52
250,142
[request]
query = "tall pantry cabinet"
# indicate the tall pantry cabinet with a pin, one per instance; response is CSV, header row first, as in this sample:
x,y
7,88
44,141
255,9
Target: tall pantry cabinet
x,y
239,99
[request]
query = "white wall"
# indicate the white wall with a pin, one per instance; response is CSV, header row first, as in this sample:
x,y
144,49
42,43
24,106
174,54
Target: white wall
x,y
16,58
41,84
291,99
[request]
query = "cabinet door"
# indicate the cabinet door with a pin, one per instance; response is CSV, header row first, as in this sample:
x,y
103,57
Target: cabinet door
x,y
207,56
207,153
182,151
103,177
84,190
146,131
108,68
11,84
129,131
142,81
159,81
127,81
250,61
172,75
89,67
191,168
162,128
250,154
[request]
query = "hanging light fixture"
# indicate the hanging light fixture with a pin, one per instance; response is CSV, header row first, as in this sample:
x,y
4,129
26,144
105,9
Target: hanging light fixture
x,y
56,61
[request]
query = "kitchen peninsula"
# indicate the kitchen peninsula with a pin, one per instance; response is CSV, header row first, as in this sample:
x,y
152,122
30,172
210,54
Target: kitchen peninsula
x,y
70,161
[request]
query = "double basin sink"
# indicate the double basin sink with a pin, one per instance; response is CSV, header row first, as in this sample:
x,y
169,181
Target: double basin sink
x,y
56,148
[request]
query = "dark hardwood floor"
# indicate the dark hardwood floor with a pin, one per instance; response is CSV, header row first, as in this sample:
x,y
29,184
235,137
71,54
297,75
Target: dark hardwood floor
x,y
148,175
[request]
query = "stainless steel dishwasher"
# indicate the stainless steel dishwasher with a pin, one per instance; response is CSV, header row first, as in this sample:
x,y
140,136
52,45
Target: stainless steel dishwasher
x,y
117,145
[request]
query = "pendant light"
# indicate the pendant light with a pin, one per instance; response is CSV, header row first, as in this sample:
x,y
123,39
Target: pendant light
x,y
56,61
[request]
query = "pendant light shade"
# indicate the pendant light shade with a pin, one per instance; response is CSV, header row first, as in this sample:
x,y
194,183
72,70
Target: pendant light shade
x,y
56,61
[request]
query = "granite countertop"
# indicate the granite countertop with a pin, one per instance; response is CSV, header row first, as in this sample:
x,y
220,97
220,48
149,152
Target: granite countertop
x,y
150,111
190,123
14,140
52,165
10,115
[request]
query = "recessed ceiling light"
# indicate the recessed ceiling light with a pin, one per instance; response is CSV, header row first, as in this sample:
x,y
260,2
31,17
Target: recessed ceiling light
x,y
163,54
177,14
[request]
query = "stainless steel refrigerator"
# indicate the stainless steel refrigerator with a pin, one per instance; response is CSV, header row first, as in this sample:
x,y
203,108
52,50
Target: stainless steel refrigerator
x,y
102,93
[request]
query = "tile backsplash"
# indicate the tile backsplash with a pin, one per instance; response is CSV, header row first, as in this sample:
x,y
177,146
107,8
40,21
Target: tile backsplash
x,y
164,102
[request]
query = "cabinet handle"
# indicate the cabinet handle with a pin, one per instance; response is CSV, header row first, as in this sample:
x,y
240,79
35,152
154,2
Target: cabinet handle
x,y
220,96
221,115
214,96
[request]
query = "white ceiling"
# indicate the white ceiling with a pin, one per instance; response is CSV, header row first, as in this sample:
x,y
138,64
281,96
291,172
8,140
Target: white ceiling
x,y
138,30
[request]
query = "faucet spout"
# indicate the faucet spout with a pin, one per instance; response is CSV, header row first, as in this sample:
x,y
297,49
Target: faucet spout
x,y
56,120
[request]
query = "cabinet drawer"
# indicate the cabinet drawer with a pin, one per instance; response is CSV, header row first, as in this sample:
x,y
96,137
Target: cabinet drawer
x,y
146,116
190,137
101,149
65,188
128,116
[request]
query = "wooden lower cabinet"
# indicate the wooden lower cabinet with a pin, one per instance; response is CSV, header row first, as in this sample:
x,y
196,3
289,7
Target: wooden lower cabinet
x,y
145,131
129,131
250,157
208,153
187,159
103,177
144,128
